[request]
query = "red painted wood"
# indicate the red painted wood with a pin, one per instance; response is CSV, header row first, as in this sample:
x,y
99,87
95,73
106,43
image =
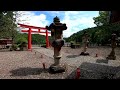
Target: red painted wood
x,y
29,26
29,39
24,30
47,40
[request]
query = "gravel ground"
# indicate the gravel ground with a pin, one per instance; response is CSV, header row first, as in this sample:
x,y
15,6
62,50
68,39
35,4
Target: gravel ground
x,y
28,65
101,51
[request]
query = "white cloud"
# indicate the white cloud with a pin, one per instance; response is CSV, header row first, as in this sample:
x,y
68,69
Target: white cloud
x,y
77,21
55,13
30,18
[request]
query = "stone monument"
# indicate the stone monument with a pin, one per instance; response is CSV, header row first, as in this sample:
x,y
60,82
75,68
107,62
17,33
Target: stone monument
x,y
56,29
85,40
112,56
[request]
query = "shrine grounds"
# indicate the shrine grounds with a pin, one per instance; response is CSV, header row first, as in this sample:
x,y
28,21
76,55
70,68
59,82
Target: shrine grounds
x,y
29,64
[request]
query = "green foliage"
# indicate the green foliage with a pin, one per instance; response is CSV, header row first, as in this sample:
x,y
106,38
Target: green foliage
x,y
23,46
36,39
21,40
7,25
102,19
14,47
99,35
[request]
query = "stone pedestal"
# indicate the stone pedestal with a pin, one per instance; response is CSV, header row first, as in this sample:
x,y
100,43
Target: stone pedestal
x,y
84,53
56,69
111,56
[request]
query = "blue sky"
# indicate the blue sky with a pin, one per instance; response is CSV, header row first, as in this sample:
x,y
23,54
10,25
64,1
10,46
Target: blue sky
x,y
75,20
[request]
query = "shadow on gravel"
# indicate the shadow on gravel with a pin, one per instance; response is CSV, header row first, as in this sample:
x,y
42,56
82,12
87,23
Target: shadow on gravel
x,y
28,71
72,56
102,61
95,71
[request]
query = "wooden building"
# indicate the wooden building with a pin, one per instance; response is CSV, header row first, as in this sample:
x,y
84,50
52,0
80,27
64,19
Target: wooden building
x,y
114,16
4,43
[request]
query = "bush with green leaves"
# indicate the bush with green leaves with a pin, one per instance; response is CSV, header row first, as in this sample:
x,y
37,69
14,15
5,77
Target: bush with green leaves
x,y
22,46
21,40
14,47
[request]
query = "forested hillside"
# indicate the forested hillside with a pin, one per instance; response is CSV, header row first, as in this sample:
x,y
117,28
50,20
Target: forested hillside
x,y
36,38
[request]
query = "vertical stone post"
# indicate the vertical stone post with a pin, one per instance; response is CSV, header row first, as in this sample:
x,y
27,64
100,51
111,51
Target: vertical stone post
x,y
57,42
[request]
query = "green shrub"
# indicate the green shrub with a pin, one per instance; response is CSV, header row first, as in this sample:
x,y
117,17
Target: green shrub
x,y
14,47
21,40
22,46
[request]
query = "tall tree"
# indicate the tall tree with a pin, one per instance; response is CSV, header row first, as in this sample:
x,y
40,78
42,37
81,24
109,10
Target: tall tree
x,y
102,19
8,27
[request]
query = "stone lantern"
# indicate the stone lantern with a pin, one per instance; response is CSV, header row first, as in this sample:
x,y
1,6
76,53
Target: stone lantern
x,y
56,29
112,56
85,40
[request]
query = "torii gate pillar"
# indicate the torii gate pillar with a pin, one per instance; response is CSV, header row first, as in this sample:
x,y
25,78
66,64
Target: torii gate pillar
x,y
29,39
47,39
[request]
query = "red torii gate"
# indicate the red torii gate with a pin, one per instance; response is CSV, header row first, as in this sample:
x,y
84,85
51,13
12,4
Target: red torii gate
x,y
30,31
